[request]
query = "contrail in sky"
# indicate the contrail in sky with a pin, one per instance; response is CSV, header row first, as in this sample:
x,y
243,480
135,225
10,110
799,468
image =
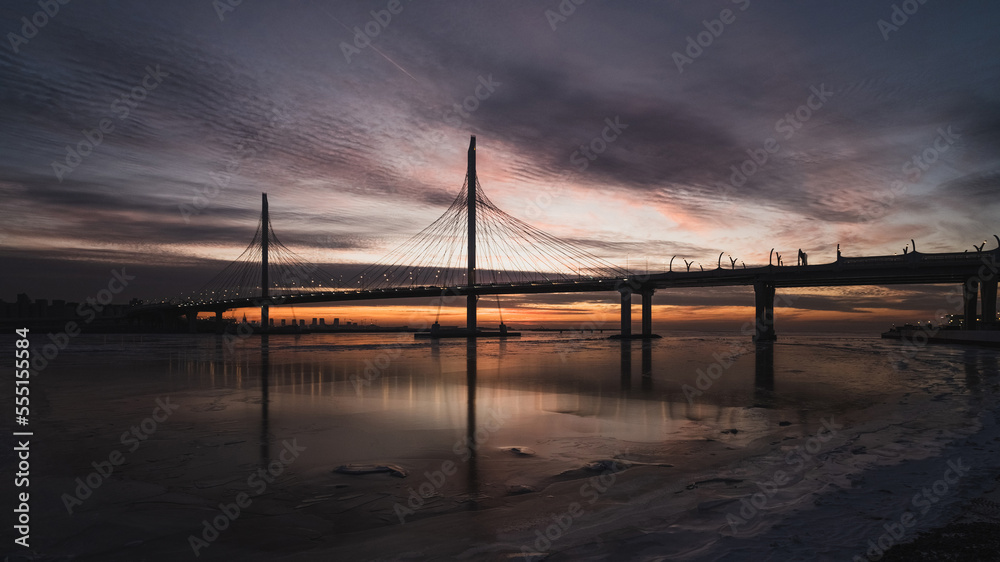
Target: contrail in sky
x,y
386,57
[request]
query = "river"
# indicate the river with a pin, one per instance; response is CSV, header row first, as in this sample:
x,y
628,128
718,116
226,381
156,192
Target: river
x,y
565,445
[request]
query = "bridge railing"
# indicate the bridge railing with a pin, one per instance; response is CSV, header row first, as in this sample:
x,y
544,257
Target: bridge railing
x,y
953,256
875,260
914,257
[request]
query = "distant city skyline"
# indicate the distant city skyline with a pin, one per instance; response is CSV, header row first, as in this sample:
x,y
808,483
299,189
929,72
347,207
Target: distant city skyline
x,y
138,137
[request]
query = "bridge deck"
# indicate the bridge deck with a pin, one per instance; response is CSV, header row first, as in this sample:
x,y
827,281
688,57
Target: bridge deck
x,y
913,268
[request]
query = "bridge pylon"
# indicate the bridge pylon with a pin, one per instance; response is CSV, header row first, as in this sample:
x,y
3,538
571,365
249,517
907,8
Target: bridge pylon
x,y
265,234
470,302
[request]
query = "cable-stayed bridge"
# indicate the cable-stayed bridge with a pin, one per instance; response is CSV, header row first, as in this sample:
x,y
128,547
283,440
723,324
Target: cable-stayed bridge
x,y
475,248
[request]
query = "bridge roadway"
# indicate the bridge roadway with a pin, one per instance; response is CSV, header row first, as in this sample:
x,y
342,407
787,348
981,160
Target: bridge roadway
x,y
975,271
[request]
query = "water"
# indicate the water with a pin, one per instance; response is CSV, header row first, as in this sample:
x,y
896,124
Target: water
x,y
685,426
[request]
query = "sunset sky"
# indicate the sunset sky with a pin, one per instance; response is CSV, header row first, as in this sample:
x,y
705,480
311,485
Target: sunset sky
x,y
879,122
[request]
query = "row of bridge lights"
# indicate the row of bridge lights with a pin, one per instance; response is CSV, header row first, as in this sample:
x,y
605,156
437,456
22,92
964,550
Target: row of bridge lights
x,y
237,293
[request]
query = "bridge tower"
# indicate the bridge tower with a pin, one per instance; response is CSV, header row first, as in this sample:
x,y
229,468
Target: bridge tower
x,y
265,234
470,310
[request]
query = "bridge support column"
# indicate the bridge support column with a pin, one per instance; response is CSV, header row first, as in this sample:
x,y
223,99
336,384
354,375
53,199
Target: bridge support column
x,y
264,318
647,313
764,315
626,295
192,322
970,289
988,292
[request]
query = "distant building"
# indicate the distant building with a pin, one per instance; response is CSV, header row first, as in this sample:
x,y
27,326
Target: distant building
x,y
282,321
314,322
322,321
336,322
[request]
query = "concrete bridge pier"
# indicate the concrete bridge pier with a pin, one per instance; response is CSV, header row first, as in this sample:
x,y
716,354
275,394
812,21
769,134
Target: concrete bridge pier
x,y
988,292
192,322
626,294
970,289
647,313
763,292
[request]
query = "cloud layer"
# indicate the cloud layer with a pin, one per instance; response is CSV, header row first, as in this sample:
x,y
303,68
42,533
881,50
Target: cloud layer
x,y
359,152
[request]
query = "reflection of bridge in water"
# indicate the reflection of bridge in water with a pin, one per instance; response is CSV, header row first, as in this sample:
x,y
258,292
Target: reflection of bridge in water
x,y
763,369
654,387
762,396
476,249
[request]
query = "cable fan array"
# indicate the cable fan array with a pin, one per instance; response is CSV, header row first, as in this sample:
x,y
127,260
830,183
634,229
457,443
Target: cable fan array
x,y
508,251
288,274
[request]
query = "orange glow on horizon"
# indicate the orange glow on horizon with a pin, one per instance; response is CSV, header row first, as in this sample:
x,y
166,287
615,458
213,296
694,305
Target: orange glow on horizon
x,y
596,316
